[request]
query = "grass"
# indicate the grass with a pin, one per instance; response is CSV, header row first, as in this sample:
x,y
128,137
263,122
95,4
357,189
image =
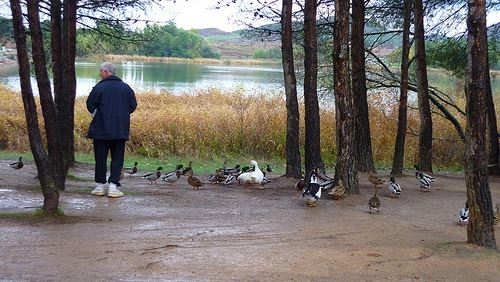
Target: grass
x,y
36,214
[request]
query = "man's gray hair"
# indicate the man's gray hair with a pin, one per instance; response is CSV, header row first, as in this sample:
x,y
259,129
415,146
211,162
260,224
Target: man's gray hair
x,y
109,67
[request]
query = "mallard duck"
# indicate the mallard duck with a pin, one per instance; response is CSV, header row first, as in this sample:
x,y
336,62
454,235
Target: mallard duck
x,y
375,180
17,165
427,177
328,184
193,181
312,192
463,215
301,183
132,170
172,177
152,177
394,188
423,182
231,179
374,202
217,177
268,168
338,191
234,170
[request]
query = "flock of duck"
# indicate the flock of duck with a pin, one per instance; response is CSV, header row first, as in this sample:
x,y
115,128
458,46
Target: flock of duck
x,y
311,192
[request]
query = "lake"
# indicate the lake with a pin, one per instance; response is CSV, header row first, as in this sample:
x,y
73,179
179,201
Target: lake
x,y
172,77
184,78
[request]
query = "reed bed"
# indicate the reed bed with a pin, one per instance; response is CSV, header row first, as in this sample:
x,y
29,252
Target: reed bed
x,y
212,124
236,62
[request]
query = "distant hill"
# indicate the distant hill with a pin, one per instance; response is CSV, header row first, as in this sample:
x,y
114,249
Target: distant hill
x,y
232,45
207,32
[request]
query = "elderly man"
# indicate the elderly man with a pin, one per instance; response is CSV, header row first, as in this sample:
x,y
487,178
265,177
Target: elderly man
x,y
110,102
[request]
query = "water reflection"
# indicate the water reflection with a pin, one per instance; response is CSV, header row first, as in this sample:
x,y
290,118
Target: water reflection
x,y
173,77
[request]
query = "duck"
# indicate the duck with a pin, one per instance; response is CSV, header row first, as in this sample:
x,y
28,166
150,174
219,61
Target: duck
x,y
301,183
193,181
252,177
131,170
17,165
268,168
423,182
338,191
230,179
312,192
217,177
234,170
152,177
374,202
463,215
173,176
185,171
394,188
427,177
375,180
328,184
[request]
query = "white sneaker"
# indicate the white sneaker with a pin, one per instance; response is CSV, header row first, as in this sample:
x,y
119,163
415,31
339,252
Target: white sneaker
x,y
99,190
113,192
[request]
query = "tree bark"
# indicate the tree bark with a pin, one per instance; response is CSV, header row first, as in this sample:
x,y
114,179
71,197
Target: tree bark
x,y
292,150
49,189
311,111
480,230
425,132
345,168
362,131
399,148
491,124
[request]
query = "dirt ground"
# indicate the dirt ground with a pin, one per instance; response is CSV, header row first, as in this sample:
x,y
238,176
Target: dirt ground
x,y
217,233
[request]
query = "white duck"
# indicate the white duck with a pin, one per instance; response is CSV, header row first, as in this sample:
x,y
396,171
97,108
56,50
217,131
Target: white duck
x,y
463,215
252,177
394,188
312,192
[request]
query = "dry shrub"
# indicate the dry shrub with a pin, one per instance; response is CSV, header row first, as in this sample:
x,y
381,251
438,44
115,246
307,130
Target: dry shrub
x,y
210,124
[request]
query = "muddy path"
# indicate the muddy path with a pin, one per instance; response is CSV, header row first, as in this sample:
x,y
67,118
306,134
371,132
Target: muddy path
x,y
163,232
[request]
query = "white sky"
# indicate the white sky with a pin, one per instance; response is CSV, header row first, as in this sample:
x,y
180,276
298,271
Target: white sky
x,y
199,14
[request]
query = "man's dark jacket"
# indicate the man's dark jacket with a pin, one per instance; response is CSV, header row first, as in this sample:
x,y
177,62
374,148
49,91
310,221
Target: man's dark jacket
x,y
114,101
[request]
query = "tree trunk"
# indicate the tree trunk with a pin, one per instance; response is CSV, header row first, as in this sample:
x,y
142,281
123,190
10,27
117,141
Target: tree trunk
x,y
292,150
68,103
480,230
491,124
362,131
399,148
425,133
311,111
345,168
50,191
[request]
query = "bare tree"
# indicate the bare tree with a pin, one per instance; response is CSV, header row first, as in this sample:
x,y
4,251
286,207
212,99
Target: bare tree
x,y
345,168
425,133
293,164
480,230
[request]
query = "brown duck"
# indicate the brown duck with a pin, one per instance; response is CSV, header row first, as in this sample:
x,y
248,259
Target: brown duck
x,y
375,180
193,181
374,202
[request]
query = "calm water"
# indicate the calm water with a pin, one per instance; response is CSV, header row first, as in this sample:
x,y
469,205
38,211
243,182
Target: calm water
x,y
177,78
181,78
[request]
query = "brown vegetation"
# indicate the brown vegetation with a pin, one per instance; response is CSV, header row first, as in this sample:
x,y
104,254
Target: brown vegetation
x,y
210,123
